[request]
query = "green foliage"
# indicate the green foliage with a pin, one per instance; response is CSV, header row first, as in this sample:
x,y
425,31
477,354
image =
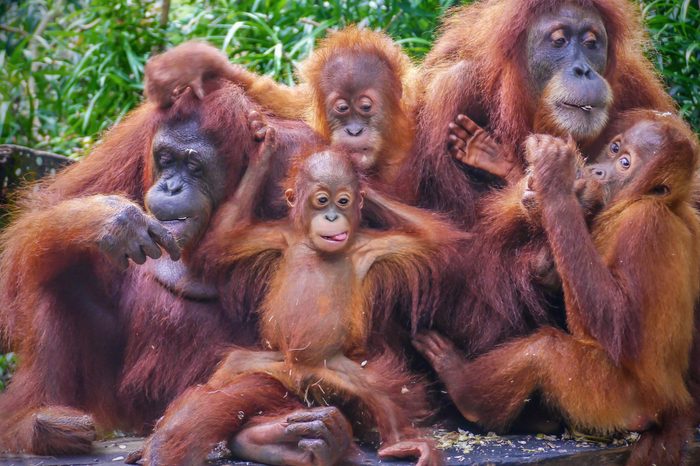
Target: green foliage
x,y
272,36
675,29
67,72
7,366
69,69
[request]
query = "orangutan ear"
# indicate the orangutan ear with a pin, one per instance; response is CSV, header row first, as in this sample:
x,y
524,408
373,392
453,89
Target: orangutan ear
x,y
291,199
362,199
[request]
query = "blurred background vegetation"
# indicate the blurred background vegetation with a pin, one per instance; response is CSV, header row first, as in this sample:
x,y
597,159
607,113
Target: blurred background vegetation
x,y
69,69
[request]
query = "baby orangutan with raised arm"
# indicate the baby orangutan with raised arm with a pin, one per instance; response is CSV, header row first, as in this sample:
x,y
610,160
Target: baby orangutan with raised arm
x,y
630,287
315,317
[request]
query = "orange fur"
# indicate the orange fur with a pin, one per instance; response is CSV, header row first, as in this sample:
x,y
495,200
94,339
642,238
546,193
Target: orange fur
x,y
477,67
315,318
630,290
194,63
97,345
353,41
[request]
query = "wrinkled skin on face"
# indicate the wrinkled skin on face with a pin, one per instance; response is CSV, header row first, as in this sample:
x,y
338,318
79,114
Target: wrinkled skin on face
x,y
330,201
189,180
354,87
567,58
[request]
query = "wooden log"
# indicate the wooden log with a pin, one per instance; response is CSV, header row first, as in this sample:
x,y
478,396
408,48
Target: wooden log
x,y
19,164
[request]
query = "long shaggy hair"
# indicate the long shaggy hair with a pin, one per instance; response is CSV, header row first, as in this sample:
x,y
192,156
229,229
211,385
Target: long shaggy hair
x,y
478,67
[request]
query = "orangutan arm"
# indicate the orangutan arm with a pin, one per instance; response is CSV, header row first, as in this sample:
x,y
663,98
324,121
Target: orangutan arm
x,y
611,311
422,232
474,146
190,63
233,235
426,225
239,209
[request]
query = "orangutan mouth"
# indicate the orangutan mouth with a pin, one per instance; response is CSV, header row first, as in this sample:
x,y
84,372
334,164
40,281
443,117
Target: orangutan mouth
x,y
176,226
585,108
339,238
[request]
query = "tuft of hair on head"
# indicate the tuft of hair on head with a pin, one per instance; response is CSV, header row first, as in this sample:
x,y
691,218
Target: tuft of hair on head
x,y
677,132
674,165
299,166
355,41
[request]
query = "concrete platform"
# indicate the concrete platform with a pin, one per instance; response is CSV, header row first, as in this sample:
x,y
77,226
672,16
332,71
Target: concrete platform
x,y
459,448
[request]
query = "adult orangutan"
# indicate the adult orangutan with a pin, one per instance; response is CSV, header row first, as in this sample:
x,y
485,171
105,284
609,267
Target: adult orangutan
x,y
521,66
100,340
630,286
355,89
314,320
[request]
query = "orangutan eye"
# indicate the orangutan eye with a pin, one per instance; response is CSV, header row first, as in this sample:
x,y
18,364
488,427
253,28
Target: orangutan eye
x,y
321,199
366,104
341,106
615,147
165,159
624,162
590,41
343,201
194,167
558,38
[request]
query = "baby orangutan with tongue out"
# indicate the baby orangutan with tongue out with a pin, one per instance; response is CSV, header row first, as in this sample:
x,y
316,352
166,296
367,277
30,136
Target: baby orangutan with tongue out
x,y
316,315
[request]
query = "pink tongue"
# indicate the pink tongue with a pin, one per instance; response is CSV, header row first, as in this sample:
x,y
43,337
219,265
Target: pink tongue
x,y
340,237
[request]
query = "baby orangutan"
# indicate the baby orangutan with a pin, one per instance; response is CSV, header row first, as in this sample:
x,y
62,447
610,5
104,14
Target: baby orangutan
x,y
630,287
315,317
356,90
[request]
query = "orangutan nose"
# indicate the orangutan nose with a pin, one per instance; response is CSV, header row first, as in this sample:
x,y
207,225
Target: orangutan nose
x,y
354,130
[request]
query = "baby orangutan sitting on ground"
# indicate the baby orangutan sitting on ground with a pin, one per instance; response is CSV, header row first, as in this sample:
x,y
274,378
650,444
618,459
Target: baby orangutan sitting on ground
x,y
315,317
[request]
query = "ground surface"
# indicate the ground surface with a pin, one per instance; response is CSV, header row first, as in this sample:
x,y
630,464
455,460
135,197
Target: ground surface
x,y
462,448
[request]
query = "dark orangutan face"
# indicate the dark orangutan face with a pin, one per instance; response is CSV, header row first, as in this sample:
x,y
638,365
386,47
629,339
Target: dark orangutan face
x,y
355,88
567,56
190,180
331,201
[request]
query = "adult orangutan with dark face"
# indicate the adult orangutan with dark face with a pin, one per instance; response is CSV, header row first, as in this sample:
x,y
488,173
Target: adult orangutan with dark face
x,y
102,340
515,67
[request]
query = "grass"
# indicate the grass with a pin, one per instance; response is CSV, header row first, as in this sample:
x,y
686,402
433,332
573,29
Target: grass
x,y
66,77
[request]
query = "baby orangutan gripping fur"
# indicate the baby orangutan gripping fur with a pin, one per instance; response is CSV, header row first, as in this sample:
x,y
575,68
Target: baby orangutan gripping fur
x,y
630,287
315,318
